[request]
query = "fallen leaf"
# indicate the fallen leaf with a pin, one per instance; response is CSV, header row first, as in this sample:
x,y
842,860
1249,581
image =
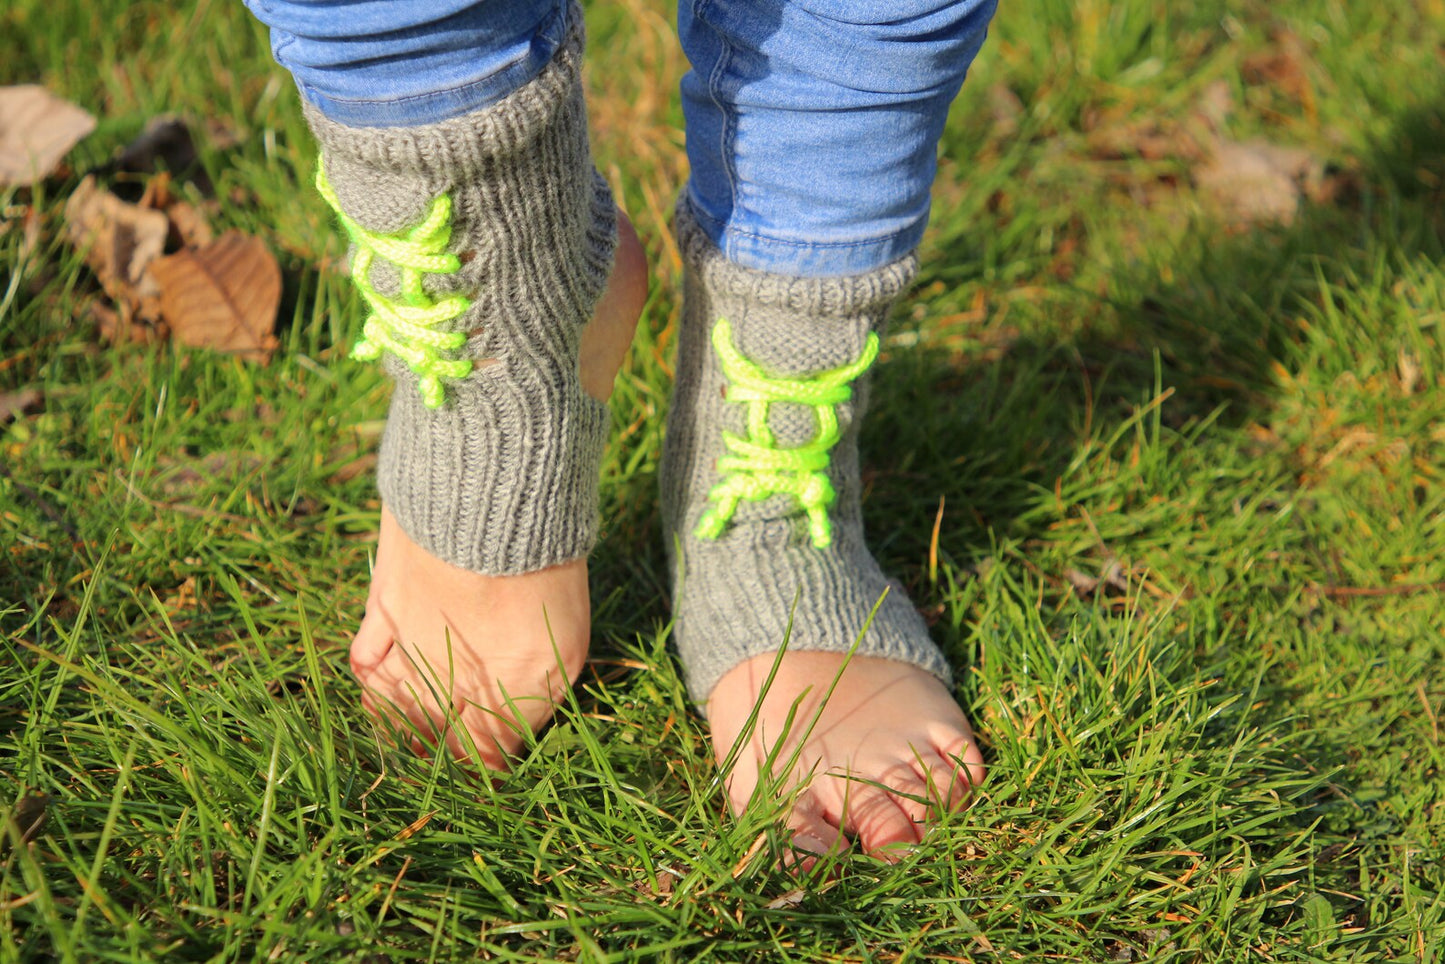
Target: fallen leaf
x,y
222,296
119,241
1083,583
189,224
37,129
29,222
15,404
1216,103
1113,577
1007,109
1256,181
1121,135
1283,68
1248,182
164,145
22,822
352,469
410,829
1406,367
1149,139
791,899
184,477
113,328
156,192
354,457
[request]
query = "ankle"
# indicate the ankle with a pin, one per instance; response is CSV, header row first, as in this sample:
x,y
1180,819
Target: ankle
x,y
608,336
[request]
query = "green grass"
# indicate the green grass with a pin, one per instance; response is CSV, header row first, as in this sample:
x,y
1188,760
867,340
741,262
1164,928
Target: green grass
x,y
1228,748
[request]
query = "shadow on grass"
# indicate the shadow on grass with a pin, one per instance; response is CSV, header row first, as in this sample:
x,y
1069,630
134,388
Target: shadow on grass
x,y
984,434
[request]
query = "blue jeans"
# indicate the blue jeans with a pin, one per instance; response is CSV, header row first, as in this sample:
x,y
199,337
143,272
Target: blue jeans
x,y
812,125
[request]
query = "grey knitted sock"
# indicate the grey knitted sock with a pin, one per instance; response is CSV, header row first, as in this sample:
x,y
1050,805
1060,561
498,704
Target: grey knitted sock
x,y
491,235
737,570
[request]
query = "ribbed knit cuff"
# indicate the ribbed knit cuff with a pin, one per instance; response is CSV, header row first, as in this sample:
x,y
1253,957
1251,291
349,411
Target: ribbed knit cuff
x,y
501,476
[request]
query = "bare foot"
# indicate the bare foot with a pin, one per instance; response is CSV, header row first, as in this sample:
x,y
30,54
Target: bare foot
x,y
442,649
890,748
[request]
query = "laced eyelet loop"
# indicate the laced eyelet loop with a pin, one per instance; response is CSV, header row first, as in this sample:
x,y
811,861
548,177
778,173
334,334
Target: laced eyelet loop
x,y
755,467
408,326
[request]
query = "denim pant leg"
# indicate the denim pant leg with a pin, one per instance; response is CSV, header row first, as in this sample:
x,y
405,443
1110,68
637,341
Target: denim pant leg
x,y
401,63
813,125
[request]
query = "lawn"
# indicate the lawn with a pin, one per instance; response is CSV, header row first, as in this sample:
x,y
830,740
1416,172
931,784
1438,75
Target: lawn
x,y
1157,446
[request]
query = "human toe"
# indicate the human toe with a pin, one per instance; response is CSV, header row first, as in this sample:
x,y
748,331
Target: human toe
x,y
372,643
396,711
484,738
883,822
814,833
958,765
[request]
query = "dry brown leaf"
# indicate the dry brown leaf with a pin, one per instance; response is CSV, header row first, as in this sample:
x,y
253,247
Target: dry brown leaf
x,y
1007,109
1083,583
1407,369
189,224
29,222
352,469
1248,182
120,241
1113,576
1148,139
222,296
157,191
1216,103
15,404
23,821
791,899
1258,182
113,328
37,129
185,477
1283,68
1120,134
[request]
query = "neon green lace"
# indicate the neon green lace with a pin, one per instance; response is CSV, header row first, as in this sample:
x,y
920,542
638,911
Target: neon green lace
x,y
407,327
756,468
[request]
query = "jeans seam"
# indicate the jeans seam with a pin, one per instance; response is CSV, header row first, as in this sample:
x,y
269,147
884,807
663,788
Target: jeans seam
x,y
729,119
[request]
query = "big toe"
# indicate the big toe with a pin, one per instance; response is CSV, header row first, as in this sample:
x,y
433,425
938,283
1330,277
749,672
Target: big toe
x,y
370,646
